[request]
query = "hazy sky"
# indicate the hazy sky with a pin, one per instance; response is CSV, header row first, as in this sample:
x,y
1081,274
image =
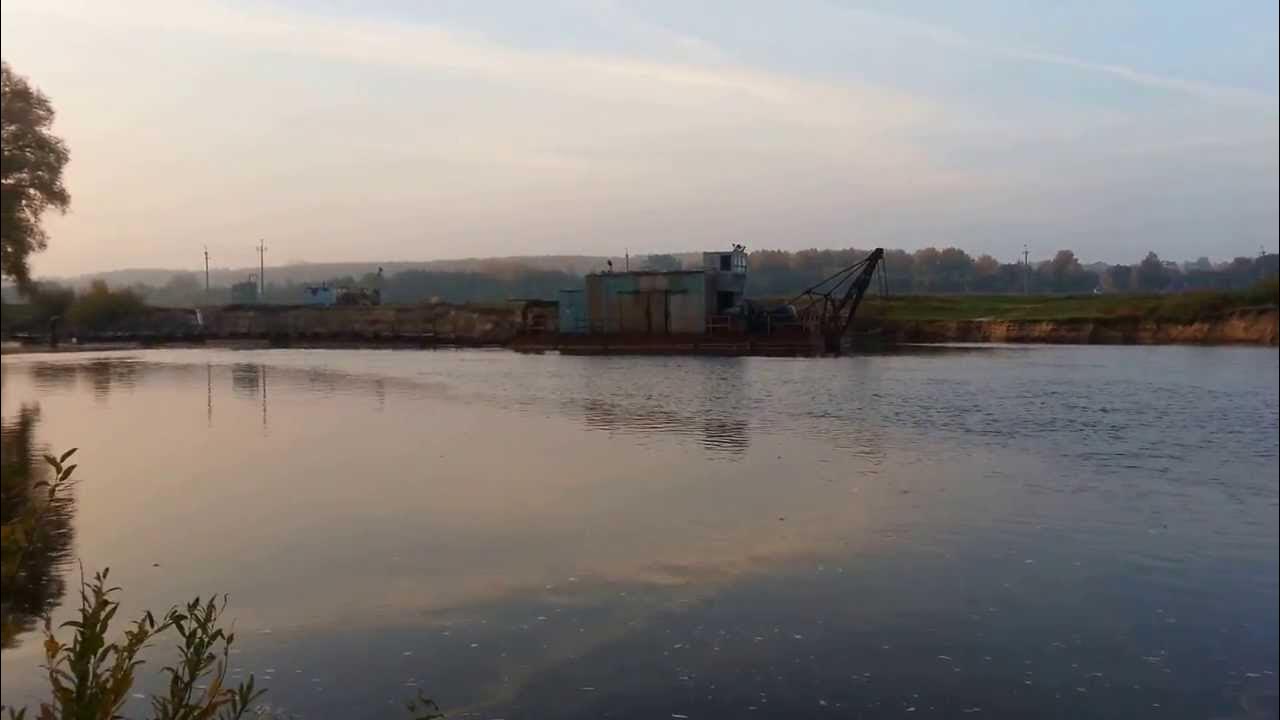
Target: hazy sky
x,y
390,129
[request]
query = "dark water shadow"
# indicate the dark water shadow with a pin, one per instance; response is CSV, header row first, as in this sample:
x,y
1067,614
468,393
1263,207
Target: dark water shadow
x,y
38,531
706,402
103,375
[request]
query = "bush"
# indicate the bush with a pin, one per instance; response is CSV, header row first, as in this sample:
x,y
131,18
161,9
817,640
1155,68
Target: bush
x,y
1265,292
49,300
101,308
91,678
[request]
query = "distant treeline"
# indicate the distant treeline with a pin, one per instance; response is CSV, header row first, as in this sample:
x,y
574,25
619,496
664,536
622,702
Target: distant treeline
x,y
778,273
95,308
774,273
407,286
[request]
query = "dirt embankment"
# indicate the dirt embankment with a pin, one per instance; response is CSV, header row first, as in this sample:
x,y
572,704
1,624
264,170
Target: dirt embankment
x,y
1250,326
439,322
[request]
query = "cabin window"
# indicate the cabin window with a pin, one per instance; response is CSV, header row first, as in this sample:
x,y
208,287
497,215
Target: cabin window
x,y
725,263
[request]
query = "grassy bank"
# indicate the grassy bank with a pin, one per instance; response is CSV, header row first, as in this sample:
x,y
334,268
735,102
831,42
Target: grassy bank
x,y
1173,308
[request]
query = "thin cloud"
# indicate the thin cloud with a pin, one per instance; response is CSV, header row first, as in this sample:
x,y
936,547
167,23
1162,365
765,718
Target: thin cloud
x,y
447,49
429,140
945,36
1217,93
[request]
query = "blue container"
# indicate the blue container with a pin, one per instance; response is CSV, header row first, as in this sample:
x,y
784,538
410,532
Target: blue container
x,y
573,312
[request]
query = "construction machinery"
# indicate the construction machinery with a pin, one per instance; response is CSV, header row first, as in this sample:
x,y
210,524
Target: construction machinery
x,y
827,308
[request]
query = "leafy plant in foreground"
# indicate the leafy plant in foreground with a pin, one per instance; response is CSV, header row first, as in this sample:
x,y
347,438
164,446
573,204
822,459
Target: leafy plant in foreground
x,y
92,679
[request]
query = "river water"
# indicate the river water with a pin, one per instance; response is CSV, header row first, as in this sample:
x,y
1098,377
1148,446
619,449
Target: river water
x,y
971,532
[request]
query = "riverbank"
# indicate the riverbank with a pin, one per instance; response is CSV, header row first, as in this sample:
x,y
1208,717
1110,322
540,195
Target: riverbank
x,y
1250,318
1254,326
1169,308
1069,321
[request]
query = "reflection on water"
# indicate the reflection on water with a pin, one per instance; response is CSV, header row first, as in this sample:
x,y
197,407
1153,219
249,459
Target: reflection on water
x,y
716,427
1076,532
38,532
711,405
102,376
246,379
250,383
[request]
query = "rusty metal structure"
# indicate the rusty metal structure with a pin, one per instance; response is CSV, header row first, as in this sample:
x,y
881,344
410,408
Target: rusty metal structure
x,y
665,302
827,308
697,310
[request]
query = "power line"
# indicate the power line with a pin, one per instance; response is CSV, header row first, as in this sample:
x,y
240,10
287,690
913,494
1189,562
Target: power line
x,y
262,271
1026,270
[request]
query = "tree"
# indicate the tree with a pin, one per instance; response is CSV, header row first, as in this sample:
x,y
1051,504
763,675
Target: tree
x,y
1203,264
955,270
924,265
1152,275
898,267
50,300
986,274
101,308
30,173
1119,277
1266,266
1061,269
182,289
1067,275
985,266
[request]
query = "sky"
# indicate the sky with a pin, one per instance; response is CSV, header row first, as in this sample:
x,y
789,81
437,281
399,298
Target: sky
x,y
354,130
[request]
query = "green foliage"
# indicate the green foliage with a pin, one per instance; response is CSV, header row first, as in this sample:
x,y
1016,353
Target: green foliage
x,y
203,662
50,300
1265,292
92,678
1119,278
1173,307
31,163
35,531
1151,274
772,273
101,308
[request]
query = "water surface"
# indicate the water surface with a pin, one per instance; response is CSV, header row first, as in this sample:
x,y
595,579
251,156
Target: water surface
x,y
1060,532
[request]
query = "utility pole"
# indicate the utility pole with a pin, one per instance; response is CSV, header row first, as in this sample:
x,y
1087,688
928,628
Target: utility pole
x,y
262,269
1026,271
206,273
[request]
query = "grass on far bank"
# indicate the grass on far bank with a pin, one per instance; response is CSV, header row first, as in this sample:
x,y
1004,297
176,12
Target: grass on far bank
x,y
1174,307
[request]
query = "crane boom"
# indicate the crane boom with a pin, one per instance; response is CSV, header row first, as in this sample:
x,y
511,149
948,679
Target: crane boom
x,y
833,302
857,289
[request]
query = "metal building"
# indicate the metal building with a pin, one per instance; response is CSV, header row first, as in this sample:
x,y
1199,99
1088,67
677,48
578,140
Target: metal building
x,y
726,279
573,311
644,302
318,295
681,302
